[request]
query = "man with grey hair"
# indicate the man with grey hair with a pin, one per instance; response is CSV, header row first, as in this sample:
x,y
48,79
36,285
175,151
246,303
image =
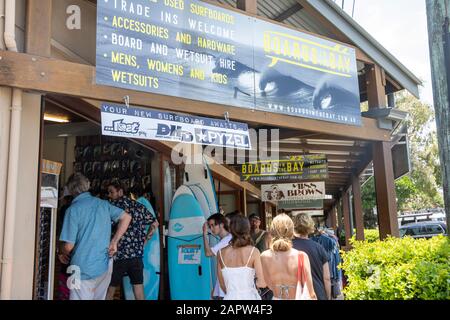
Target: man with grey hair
x,y
86,237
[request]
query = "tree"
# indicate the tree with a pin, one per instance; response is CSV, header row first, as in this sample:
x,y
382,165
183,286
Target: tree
x,y
420,189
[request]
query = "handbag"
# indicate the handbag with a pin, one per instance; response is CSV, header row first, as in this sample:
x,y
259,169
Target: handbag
x,y
302,292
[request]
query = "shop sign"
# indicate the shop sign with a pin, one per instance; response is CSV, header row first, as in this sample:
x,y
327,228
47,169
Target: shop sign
x,y
307,167
189,254
301,204
293,191
195,50
130,122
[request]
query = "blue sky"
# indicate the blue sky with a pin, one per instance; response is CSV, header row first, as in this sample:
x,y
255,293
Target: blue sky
x,y
401,27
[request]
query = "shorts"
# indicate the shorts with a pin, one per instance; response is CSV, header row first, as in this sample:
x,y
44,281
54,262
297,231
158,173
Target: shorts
x,y
92,289
134,268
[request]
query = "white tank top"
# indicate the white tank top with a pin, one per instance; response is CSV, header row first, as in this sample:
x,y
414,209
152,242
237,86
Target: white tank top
x,y
240,282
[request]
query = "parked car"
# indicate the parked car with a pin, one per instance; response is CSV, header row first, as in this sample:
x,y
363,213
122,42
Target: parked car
x,y
426,229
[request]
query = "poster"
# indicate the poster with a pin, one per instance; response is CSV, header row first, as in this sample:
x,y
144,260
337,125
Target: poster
x,y
50,171
120,121
195,50
293,191
308,167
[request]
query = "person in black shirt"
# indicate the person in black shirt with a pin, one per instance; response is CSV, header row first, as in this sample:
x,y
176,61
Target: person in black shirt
x,y
130,251
318,257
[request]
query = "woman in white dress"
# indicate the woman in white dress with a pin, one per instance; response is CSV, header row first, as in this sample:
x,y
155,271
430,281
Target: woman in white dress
x,y
281,263
239,264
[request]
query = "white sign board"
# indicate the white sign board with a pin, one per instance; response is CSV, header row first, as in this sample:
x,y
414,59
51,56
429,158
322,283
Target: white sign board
x,y
147,124
189,254
293,191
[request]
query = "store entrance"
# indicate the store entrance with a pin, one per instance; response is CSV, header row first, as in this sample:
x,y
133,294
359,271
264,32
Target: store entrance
x,y
76,144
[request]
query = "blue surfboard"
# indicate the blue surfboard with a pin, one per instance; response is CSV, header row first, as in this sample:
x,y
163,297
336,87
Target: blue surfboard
x,y
201,197
189,268
151,261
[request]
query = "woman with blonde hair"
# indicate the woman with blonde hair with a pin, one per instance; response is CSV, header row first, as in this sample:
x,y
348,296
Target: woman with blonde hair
x,y
239,264
286,270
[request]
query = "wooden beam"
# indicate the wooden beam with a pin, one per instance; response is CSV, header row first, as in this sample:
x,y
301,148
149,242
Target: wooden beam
x,y
39,27
385,190
357,204
54,76
320,147
289,12
376,91
249,6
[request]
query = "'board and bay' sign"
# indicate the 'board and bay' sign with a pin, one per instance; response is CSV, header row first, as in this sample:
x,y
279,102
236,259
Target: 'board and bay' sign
x,y
120,121
307,167
293,191
198,51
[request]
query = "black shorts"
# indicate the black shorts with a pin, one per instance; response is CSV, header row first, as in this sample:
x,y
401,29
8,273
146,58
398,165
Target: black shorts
x,y
134,268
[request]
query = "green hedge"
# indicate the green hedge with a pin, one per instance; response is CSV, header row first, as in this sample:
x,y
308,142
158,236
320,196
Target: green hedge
x,y
370,235
398,269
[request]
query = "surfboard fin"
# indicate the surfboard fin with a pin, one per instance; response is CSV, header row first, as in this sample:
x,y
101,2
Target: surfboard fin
x,y
186,174
199,270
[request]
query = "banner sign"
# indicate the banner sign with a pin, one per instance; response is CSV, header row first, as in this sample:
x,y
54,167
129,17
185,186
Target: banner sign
x,y
120,121
293,191
195,50
308,167
301,204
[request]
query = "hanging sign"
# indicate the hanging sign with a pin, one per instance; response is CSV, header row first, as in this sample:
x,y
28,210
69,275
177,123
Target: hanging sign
x,y
195,50
120,121
307,167
293,191
301,204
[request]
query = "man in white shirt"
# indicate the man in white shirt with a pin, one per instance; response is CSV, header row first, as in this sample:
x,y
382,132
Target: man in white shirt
x,y
218,225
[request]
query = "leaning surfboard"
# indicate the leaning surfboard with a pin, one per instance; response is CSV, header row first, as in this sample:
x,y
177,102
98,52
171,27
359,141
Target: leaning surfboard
x,y
201,197
200,175
151,260
189,268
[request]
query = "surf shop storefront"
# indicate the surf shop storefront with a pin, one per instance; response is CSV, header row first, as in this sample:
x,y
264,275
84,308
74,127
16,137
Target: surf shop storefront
x,y
302,67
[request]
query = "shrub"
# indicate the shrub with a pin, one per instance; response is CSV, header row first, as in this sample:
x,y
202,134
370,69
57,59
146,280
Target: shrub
x,y
370,235
398,269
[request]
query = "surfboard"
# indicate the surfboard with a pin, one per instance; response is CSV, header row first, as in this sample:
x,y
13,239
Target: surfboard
x,y
189,268
168,192
200,195
200,175
151,261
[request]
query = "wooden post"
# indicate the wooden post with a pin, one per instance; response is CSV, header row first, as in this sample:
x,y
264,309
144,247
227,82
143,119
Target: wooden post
x,y
346,214
250,6
385,190
376,82
382,160
262,213
39,27
333,218
359,220
438,12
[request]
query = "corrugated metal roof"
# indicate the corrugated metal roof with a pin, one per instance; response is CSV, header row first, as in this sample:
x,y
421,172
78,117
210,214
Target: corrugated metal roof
x,y
349,27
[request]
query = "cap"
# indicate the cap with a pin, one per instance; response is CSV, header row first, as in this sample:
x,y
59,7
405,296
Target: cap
x,y
254,216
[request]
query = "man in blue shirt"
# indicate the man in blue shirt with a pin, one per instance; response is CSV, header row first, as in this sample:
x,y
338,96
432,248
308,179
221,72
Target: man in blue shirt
x,y
87,244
